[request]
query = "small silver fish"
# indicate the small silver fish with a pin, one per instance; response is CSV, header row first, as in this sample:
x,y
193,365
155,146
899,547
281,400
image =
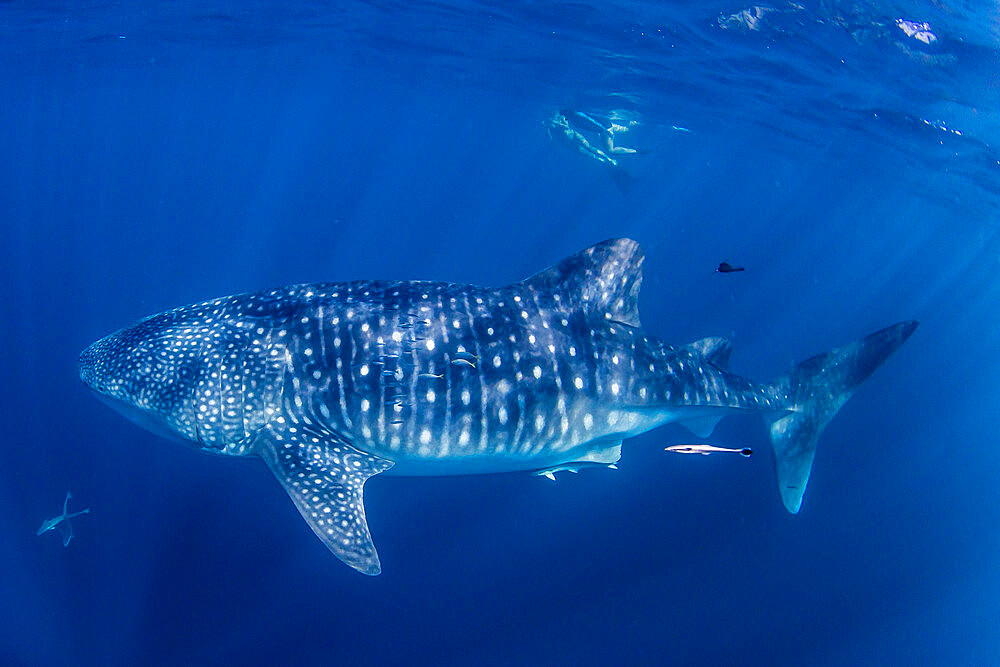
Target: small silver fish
x,y
462,362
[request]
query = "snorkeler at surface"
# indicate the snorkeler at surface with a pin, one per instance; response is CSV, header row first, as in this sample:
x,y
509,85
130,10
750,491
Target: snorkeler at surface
x,y
586,134
561,129
620,122
617,122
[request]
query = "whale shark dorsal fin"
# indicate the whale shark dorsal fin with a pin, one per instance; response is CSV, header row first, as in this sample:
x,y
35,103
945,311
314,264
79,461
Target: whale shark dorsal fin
x,y
714,350
326,480
604,278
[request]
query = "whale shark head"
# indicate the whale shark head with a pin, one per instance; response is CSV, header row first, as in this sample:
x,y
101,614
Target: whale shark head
x,y
140,373
203,374
181,374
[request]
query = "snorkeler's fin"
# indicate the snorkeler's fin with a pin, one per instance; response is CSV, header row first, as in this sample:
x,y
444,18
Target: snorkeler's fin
x,y
819,387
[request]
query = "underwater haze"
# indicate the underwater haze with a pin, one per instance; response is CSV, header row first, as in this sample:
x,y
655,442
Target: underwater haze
x,y
845,154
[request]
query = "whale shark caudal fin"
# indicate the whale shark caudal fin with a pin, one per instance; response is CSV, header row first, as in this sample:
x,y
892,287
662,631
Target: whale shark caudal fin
x,y
818,387
325,477
604,278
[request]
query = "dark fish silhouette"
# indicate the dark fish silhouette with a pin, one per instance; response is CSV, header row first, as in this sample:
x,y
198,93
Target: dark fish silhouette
x,y
726,267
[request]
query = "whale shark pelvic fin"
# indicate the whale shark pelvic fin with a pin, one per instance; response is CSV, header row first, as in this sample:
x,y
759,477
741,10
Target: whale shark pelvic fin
x,y
819,387
326,480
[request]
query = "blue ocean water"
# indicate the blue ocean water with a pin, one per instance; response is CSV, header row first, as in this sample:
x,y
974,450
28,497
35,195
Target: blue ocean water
x,y
158,154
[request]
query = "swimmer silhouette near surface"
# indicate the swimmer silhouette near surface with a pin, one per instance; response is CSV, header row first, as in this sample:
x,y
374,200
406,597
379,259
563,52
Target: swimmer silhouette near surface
x,y
62,522
594,136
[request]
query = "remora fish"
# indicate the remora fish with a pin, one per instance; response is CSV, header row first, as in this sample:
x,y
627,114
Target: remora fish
x,y
564,374
705,450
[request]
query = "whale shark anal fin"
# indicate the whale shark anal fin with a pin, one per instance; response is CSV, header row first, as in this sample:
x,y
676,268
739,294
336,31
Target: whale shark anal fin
x,y
326,480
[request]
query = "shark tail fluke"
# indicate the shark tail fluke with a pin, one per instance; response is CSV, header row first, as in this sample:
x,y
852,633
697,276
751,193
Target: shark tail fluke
x,y
818,388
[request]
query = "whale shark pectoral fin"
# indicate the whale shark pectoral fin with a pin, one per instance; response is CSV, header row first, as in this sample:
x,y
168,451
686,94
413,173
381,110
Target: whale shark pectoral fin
x,y
326,480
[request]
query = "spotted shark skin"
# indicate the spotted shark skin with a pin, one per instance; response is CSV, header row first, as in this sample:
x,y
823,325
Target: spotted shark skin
x,y
332,383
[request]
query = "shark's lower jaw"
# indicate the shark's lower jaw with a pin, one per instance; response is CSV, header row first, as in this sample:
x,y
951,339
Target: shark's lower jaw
x,y
145,419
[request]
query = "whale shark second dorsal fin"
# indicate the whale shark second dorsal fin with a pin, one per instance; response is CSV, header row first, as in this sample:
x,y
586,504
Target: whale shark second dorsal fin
x,y
714,350
604,278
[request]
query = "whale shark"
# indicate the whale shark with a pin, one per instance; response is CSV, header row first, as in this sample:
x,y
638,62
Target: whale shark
x,y
333,383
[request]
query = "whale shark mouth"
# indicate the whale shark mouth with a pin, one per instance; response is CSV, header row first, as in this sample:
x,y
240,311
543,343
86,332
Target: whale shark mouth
x,y
142,417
